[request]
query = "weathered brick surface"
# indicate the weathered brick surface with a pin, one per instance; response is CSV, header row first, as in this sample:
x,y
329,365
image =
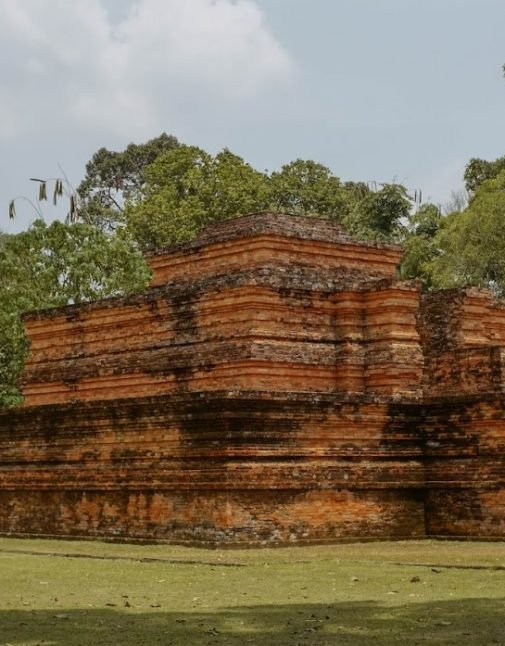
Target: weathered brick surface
x,y
223,467
236,331
464,440
252,241
275,383
463,334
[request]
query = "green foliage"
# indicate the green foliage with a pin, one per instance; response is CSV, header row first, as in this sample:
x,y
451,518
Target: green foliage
x,y
420,243
114,177
186,189
305,187
379,216
3,238
479,170
426,221
60,264
13,349
69,264
472,243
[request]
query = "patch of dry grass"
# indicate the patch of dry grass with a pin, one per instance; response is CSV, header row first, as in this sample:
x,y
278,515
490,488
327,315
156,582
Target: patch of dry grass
x,y
66,593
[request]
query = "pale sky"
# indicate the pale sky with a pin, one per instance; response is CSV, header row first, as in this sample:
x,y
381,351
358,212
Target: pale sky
x,y
405,90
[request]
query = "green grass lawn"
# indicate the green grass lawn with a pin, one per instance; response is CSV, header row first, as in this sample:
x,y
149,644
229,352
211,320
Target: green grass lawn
x,y
67,593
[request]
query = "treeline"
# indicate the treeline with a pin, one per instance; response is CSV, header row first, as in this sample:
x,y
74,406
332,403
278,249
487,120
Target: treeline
x,y
162,192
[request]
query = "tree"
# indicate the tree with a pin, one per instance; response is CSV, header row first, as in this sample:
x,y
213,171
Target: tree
x,y
420,243
3,238
479,170
186,189
13,349
305,187
113,177
61,264
472,243
380,215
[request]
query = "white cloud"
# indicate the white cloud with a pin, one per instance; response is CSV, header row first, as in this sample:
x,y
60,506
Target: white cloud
x,y
64,61
223,44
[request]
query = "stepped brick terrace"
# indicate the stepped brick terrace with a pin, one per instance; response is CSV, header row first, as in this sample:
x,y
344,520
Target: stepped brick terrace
x,y
276,383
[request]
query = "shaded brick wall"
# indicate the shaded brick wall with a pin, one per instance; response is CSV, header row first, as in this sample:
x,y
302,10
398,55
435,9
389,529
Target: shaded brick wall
x,y
225,467
464,444
463,337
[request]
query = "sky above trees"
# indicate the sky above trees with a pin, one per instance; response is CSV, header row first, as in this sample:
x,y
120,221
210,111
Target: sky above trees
x,y
405,90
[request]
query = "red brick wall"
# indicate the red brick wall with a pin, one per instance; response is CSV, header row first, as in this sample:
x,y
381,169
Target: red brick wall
x,y
464,444
463,337
262,467
252,241
247,337
276,383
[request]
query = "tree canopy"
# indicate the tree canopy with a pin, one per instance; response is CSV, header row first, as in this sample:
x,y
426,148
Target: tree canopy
x,y
472,243
113,177
421,243
305,187
186,189
380,215
479,170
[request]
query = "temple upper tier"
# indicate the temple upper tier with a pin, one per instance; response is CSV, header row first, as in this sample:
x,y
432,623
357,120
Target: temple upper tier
x,y
268,302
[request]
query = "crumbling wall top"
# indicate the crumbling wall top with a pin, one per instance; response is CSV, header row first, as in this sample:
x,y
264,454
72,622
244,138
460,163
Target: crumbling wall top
x,y
284,224
273,238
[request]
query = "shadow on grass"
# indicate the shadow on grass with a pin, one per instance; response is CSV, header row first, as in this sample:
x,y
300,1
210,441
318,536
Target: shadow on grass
x,y
471,621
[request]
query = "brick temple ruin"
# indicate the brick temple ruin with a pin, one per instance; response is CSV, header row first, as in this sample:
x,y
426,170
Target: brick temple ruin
x,y
276,383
